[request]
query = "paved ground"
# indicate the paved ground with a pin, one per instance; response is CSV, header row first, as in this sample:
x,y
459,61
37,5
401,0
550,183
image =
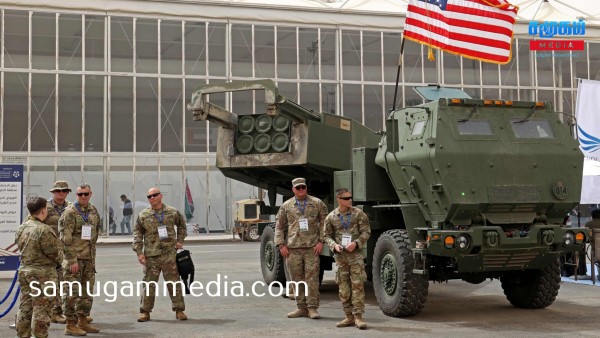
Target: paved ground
x,y
454,309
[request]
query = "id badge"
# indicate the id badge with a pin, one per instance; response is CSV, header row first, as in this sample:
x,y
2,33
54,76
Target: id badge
x,y
162,232
346,240
86,232
303,222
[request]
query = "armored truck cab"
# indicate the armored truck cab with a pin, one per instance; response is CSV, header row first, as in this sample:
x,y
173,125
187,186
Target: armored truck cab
x,y
456,188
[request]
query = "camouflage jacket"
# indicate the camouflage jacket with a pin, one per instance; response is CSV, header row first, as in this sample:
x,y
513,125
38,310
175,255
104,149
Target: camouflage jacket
x,y
39,246
359,228
54,213
69,227
145,235
289,213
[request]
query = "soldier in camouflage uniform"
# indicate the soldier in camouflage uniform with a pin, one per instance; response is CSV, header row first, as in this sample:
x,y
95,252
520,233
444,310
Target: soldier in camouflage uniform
x,y
159,231
56,205
40,254
78,227
346,233
302,217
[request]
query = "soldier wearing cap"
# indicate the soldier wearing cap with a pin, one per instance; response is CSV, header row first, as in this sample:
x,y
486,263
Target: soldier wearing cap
x,y
346,232
302,217
40,253
78,227
55,206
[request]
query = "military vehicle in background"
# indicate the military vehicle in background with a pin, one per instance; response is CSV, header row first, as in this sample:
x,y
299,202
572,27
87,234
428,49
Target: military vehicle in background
x,y
247,218
455,188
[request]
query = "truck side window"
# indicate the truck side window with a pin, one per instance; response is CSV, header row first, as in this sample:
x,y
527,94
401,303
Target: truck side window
x,y
418,128
532,128
474,127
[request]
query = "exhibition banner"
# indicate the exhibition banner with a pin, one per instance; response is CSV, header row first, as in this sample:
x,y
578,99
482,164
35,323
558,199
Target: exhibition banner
x,y
588,133
11,214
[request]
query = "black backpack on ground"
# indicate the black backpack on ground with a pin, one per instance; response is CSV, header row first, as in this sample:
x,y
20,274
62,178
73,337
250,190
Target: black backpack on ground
x,y
185,266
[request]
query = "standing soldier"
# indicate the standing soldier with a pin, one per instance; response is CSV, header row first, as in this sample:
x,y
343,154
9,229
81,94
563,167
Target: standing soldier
x,y
302,217
40,254
346,232
56,205
156,242
78,227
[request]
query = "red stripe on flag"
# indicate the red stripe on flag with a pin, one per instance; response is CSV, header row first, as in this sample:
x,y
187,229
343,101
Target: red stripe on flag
x,y
459,23
459,36
510,18
449,27
462,51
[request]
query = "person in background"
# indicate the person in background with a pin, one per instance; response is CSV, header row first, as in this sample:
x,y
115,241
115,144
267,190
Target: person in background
x,y
127,214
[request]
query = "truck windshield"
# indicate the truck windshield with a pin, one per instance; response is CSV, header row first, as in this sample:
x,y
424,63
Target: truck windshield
x,y
532,128
474,127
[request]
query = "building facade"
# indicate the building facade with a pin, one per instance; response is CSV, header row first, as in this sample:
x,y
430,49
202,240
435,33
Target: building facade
x,y
98,95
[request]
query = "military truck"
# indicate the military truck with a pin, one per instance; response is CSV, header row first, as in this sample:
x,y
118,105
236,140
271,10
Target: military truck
x,y
247,218
455,188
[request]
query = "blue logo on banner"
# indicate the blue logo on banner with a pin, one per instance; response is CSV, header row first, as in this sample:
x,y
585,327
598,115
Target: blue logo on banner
x,y
588,142
548,29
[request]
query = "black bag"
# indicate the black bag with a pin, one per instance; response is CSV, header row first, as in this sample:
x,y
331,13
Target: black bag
x,y
185,267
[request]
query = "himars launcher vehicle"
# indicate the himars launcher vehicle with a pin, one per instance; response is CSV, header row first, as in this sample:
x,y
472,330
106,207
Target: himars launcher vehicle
x,y
455,188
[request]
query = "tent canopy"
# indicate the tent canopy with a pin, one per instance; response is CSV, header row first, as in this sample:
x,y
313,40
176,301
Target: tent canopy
x,y
541,10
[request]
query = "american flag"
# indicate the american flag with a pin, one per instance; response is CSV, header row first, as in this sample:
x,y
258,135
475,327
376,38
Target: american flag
x,y
476,29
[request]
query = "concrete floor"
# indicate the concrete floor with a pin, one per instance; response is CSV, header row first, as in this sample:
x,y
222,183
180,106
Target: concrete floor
x,y
453,309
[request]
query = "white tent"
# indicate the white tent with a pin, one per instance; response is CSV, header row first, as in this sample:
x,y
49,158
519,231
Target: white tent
x,y
548,10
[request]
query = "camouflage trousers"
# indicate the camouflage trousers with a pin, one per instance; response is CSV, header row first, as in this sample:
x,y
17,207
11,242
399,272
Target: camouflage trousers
x,y
57,307
303,265
351,277
34,309
154,265
86,277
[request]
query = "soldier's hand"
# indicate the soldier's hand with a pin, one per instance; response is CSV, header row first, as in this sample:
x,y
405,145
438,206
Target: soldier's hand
x,y
338,248
142,259
74,268
283,249
318,248
179,245
350,247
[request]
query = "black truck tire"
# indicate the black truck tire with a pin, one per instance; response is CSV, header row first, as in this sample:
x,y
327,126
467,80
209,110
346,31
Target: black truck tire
x,y
399,292
532,289
252,234
271,261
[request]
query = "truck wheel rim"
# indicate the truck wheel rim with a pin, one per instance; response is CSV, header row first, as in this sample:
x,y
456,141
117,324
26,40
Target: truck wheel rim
x,y
253,233
388,273
269,259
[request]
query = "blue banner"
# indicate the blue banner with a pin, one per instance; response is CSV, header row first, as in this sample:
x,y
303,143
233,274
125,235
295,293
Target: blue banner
x,y
11,214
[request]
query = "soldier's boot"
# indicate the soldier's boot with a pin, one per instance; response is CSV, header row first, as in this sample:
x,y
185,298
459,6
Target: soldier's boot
x,y
58,318
89,319
348,321
144,316
298,313
85,326
360,323
180,315
292,293
313,314
72,330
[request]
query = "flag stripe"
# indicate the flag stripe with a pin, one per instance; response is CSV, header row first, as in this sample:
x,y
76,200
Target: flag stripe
x,y
427,15
456,46
462,34
479,29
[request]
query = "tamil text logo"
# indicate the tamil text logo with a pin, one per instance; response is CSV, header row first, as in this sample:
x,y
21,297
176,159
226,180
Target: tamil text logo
x,y
553,29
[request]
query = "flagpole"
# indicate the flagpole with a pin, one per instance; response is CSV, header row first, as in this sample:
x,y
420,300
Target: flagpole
x,y
398,72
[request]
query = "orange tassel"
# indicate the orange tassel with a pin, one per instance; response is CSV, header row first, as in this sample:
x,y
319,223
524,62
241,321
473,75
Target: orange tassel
x,y
430,55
